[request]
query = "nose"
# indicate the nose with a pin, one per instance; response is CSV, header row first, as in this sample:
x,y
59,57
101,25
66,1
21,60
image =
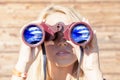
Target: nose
x,y
62,44
60,40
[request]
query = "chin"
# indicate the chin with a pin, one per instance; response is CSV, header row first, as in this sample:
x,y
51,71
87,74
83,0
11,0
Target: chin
x,y
65,63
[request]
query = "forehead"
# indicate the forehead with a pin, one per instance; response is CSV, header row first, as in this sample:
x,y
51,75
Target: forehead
x,y
56,17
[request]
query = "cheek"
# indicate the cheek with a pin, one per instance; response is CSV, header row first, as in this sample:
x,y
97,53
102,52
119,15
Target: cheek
x,y
77,52
50,52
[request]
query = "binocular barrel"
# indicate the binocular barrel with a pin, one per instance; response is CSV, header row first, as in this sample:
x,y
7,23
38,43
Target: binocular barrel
x,y
33,35
79,33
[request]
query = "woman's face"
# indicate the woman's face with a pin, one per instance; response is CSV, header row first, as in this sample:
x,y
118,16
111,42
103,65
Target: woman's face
x,y
59,51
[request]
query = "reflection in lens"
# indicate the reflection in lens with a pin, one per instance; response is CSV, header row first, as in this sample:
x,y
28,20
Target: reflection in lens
x,y
80,33
33,34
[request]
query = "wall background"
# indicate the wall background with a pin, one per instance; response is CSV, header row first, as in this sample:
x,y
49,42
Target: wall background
x,y
104,15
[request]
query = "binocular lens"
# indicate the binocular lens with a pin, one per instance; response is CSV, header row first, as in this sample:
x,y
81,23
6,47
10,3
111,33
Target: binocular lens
x,y
80,33
33,34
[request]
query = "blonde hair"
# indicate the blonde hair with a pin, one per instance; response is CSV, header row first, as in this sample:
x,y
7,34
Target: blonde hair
x,y
36,70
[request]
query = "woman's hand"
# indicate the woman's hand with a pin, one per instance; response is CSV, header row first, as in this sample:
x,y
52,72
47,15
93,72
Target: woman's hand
x,y
91,65
26,56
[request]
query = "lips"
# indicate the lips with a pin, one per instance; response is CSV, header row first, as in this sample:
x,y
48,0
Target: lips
x,y
62,53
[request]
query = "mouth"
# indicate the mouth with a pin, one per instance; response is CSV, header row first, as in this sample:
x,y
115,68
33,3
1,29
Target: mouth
x,y
62,53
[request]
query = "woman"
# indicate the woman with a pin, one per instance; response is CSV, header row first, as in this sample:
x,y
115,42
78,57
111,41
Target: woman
x,y
64,58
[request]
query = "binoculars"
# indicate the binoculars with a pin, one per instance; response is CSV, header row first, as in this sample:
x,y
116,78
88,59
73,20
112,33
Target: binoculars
x,y
35,33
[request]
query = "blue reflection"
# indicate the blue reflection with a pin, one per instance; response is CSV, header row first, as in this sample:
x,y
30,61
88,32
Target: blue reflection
x,y
33,34
80,33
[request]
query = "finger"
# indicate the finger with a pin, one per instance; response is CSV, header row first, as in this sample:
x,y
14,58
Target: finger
x,y
24,53
94,43
92,46
35,51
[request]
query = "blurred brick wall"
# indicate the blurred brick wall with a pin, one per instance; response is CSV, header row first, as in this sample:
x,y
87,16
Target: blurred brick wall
x,y
104,15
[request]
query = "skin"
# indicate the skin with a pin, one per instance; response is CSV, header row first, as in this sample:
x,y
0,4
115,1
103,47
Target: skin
x,y
61,55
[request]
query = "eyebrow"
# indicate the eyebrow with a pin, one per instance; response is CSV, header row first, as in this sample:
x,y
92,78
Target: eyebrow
x,y
60,11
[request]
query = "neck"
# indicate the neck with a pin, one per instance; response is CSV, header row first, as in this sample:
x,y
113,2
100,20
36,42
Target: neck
x,y
59,73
